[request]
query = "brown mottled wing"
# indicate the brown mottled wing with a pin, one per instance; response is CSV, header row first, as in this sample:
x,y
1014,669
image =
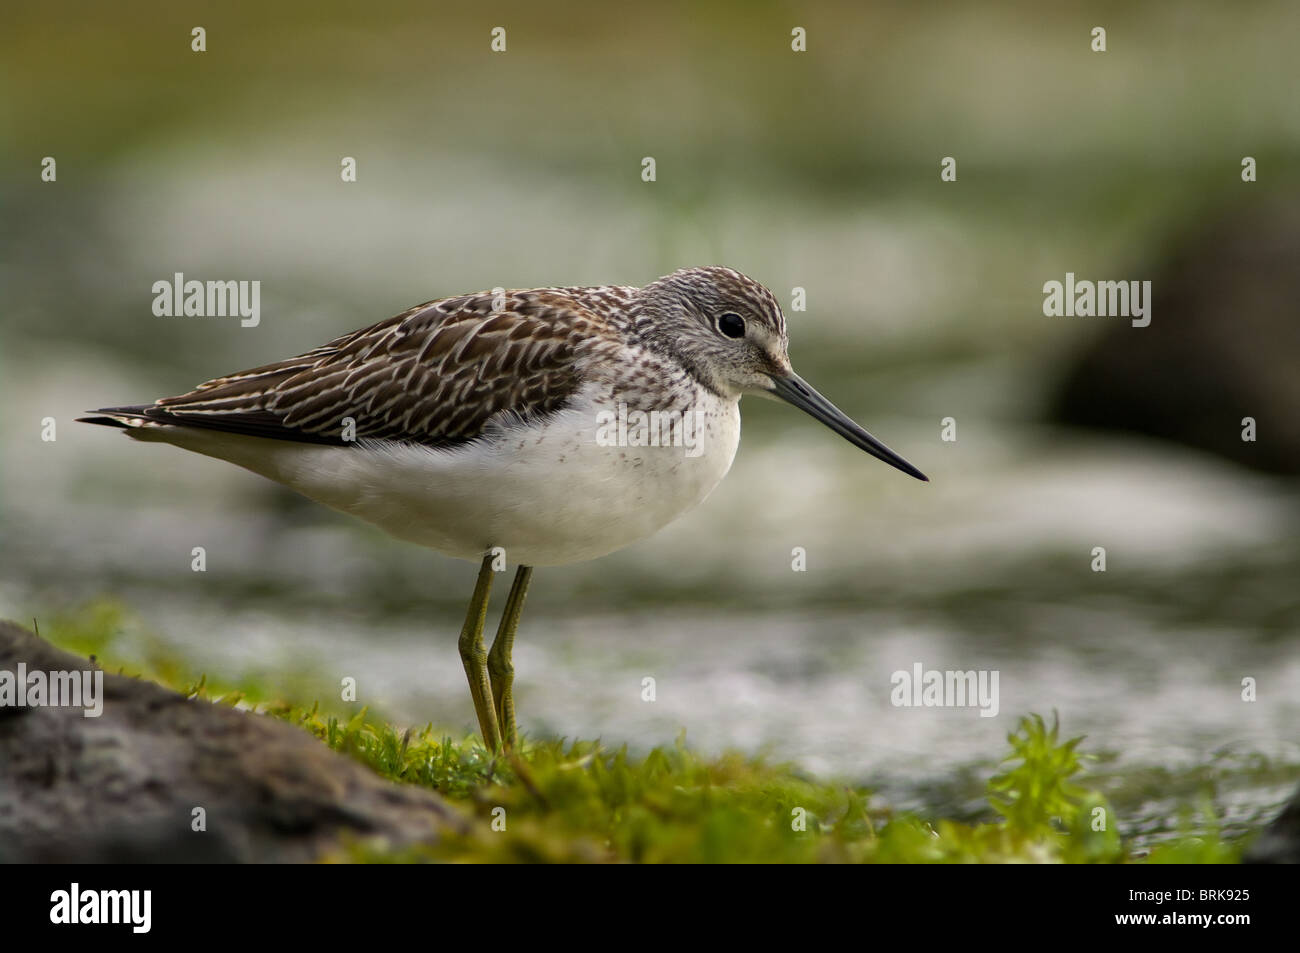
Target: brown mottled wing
x,y
435,375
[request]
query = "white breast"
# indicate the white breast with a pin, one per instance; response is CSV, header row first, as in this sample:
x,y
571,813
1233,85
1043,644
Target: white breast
x,y
548,493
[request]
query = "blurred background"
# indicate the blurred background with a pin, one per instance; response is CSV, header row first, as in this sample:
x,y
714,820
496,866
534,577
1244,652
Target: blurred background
x,y
817,170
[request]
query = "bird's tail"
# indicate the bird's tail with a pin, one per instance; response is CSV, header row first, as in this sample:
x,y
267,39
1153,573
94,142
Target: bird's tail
x,y
128,418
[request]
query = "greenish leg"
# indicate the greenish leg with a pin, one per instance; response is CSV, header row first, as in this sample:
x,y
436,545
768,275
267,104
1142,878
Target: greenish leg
x,y
500,664
474,655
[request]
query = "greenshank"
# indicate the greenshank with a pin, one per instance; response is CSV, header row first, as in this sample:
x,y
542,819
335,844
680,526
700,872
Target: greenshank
x,y
543,427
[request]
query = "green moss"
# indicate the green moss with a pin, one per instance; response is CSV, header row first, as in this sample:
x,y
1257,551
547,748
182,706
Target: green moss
x,y
558,801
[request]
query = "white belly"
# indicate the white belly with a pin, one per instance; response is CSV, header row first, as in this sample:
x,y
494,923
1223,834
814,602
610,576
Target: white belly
x,y
547,493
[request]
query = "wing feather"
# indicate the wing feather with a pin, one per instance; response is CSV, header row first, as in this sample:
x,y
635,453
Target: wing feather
x,y
436,375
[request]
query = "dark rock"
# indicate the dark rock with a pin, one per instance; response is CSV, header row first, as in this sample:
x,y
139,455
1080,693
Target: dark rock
x,y
1280,842
121,787
1223,344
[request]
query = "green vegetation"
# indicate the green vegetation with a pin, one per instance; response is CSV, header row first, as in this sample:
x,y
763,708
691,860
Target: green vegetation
x,y
582,801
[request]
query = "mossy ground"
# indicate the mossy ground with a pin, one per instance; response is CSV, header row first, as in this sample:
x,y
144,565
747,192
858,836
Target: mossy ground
x,y
586,801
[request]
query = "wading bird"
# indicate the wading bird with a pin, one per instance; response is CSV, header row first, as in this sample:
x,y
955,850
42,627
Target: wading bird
x,y
484,423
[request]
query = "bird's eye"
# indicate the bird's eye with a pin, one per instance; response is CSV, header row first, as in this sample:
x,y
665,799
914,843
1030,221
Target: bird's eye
x,y
731,324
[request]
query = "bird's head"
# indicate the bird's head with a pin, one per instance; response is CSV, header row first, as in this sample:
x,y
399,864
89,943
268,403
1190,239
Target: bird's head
x,y
730,332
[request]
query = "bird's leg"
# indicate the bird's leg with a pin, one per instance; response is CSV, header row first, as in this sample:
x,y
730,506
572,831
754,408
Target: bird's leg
x,y
474,655
500,664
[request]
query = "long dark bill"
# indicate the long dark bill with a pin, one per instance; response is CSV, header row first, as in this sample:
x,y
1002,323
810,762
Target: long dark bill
x,y
795,390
